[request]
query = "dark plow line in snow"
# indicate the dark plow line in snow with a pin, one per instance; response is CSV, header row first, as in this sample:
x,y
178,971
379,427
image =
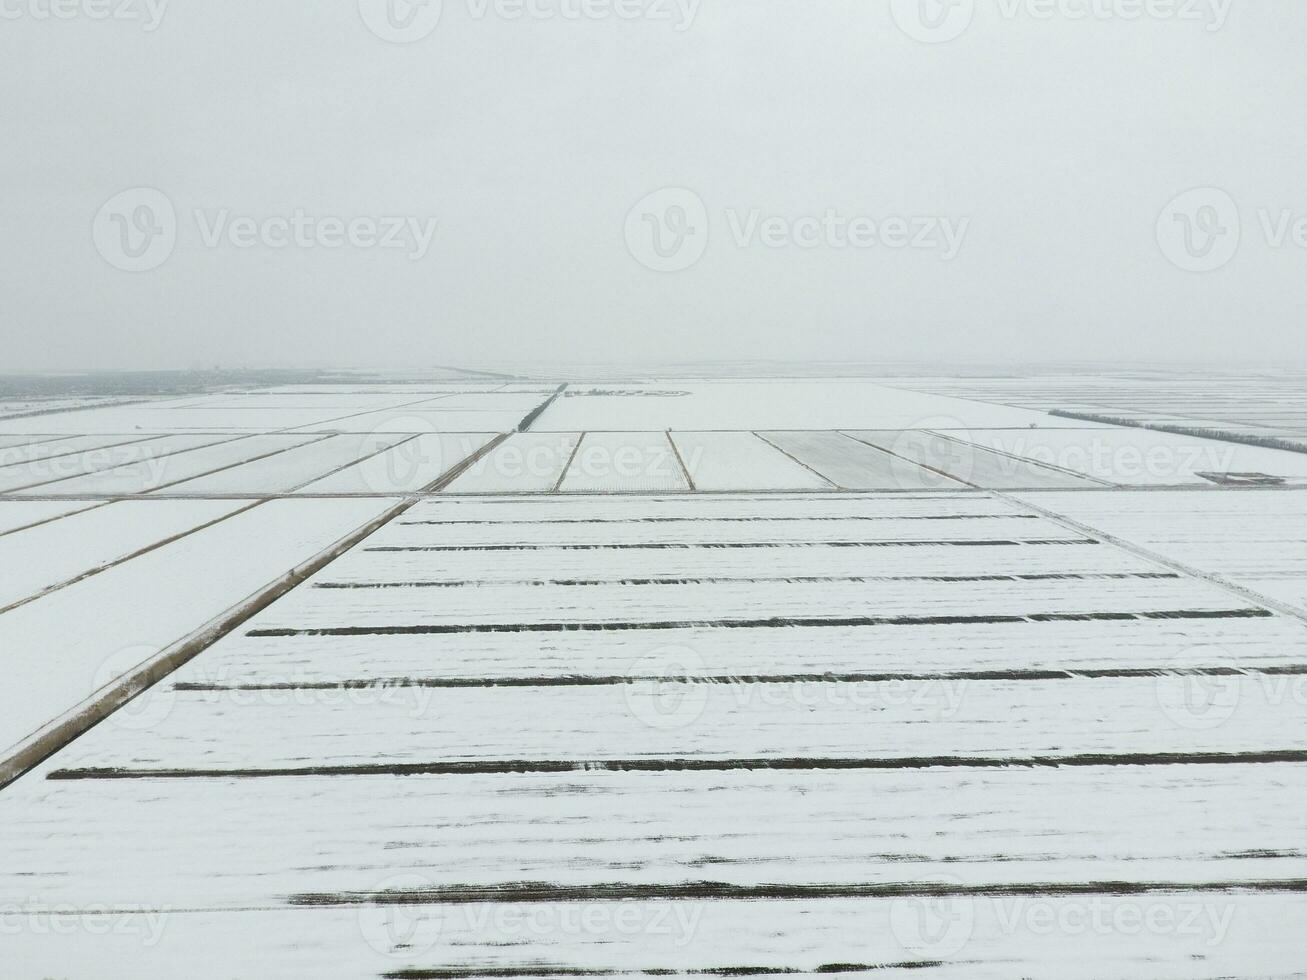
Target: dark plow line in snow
x,y
669,546
444,629
545,971
728,580
734,520
612,680
616,680
519,767
532,891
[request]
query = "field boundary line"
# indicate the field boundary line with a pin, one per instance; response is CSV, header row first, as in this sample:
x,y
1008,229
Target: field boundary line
x,y
676,451
811,469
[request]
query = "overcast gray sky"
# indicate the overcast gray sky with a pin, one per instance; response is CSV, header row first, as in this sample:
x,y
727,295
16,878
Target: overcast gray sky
x,y
1034,159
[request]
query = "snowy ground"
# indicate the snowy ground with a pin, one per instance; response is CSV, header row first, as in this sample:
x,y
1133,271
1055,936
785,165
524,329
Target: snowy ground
x,y
458,679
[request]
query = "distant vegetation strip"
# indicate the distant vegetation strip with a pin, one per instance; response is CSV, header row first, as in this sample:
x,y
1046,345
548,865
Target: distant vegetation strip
x,y
1224,435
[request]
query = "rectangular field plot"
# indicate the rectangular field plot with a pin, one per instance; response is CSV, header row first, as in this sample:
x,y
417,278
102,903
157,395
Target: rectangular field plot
x,y
750,405
63,647
412,465
521,402
429,417
44,474
734,461
44,556
1255,538
173,844
338,402
946,651
157,418
738,604
425,573
624,462
597,508
854,465
526,462
146,475
764,562
1143,457
648,715
709,532
971,464
292,469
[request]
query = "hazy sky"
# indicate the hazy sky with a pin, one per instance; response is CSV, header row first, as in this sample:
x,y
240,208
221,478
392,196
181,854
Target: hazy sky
x,y
1033,160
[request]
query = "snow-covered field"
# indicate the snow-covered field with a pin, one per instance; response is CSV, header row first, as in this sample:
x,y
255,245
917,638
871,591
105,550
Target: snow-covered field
x,y
675,677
